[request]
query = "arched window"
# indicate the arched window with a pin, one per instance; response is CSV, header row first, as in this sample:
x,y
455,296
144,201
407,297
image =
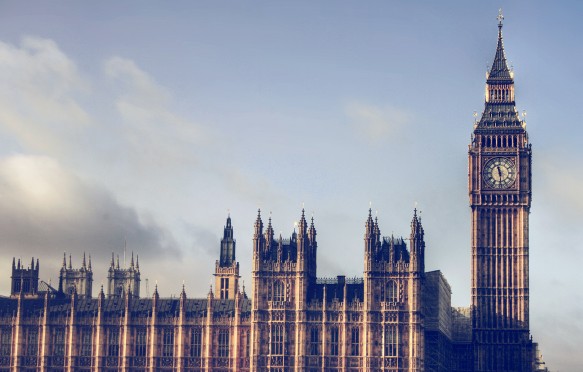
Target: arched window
x,y
391,292
277,339
196,343
334,340
224,343
278,291
168,343
113,342
314,341
140,342
390,340
355,342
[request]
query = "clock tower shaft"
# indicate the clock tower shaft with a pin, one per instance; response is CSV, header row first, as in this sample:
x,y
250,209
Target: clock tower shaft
x,y
500,198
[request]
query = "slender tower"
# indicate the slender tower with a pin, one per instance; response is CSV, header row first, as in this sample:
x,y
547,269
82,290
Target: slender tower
x,y
227,267
500,197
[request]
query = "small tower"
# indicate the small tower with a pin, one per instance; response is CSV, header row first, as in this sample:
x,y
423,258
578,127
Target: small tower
x,y
119,280
24,280
392,282
226,267
283,272
79,280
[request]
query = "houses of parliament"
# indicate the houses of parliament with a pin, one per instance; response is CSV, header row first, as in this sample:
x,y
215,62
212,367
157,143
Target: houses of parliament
x,y
396,317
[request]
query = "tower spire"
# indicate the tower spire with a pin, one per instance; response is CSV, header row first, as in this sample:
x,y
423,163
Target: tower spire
x,y
500,71
499,110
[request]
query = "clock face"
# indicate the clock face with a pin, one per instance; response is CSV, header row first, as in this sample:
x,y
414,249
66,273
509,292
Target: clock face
x,y
499,173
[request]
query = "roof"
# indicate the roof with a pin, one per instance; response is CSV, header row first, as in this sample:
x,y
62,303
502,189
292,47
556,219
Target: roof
x,y
141,306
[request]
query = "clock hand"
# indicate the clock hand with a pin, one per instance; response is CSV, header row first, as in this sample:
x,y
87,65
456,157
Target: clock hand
x,y
499,172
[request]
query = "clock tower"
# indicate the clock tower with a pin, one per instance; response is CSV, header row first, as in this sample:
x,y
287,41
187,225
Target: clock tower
x,y
500,197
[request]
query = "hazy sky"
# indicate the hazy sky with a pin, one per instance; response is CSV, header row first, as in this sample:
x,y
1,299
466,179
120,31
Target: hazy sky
x,y
147,121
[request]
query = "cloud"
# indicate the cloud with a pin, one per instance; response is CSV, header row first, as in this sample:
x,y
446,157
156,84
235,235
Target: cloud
x,y
36,95
45,210
154,132
376,123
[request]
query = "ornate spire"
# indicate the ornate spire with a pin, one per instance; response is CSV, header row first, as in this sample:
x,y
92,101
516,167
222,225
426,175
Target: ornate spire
x,y
269,231
70,265
183,292
84,264
89,262
499,71
227,252
369,225
416,227
312,230
258,224
302,225
417,244
499,110
132,261
64,260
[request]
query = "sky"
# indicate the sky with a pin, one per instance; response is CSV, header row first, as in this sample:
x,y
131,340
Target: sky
x,y
143,124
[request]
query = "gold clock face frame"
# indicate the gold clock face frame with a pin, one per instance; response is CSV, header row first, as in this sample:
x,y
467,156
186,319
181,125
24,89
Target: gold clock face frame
x,y
499,173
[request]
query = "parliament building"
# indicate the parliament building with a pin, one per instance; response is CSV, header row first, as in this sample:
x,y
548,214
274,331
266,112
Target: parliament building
x,y
396,317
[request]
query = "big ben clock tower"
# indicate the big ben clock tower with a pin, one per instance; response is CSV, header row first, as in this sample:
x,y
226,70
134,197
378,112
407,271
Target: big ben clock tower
x,y
500,197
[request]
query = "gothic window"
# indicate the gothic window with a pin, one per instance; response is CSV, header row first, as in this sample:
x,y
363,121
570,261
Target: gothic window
x,y
314,341
140,342
86,341
224,287
59,342
248,348
5,342
334,341
32,342
391,292
390,340
277,339
168,343
224,343
355,342
278,291
196,343
113,342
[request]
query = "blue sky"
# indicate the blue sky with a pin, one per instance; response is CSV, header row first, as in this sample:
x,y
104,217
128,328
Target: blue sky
x,y
145,122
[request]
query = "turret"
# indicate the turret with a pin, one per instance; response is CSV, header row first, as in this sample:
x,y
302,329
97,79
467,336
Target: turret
x,y
227,254
119,279
369,236
226,267
417,242
269,232
24,280
258,238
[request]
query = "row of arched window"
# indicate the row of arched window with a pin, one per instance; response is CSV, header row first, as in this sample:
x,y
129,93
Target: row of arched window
x,y
500,141
500,94
389,339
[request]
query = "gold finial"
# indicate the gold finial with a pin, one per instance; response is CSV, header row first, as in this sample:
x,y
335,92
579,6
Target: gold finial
x,y
500,17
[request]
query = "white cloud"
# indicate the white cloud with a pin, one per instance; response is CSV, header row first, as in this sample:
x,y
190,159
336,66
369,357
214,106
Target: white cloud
x,y
377,123
36,96
155,133
45,210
